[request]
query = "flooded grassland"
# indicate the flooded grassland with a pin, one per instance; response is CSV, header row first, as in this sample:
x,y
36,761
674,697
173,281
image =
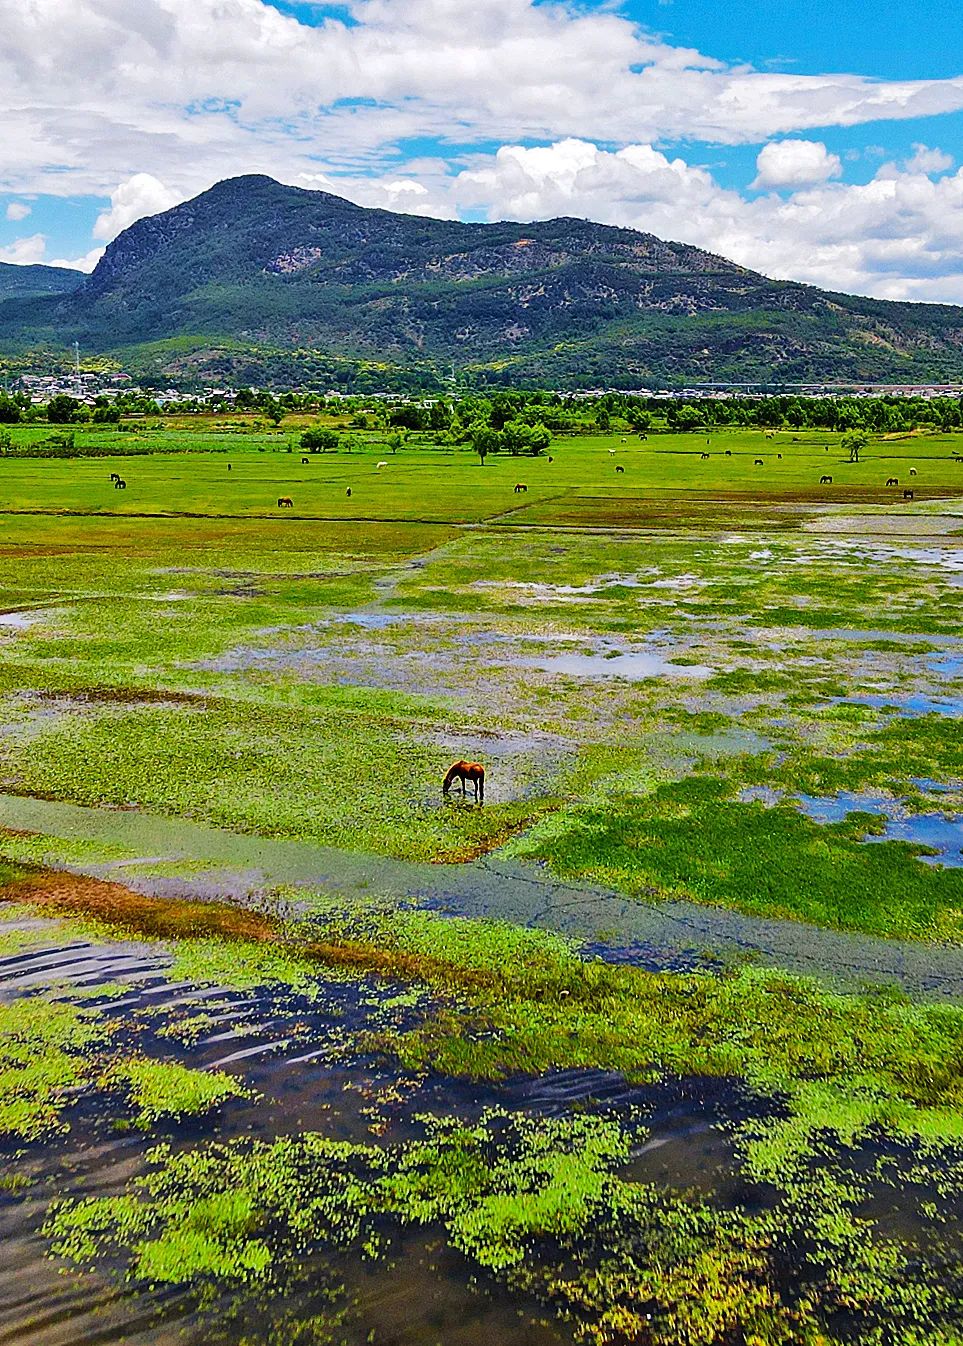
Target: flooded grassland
x,y
663,1044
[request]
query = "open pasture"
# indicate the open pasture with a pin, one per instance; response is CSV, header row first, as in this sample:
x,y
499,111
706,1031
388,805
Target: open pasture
x,y
581,484
662,1045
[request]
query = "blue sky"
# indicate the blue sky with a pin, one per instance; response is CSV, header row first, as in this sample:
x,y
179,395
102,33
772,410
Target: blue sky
x,y
821,141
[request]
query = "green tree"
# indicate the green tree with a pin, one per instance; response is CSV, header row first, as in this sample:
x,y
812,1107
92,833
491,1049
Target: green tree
x,y
62,409
319,439
855,441
484,440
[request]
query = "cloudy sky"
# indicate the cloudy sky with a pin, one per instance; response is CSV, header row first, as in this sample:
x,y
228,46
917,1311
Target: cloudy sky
x,y
820,140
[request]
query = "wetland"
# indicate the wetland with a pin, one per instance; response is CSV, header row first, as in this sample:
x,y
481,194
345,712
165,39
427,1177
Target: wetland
x,y
663,1044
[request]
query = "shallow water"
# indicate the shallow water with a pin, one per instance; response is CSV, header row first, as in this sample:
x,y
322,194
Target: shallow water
x,y
204,861
907,706
290,1046
635,667
942,832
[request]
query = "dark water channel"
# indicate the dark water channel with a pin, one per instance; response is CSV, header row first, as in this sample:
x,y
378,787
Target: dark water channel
x,y
293,1047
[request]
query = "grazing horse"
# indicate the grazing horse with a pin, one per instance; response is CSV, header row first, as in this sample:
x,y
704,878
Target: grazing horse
x,y
348,492
892,481
120,484
703,455
466,771
912,471
728,453
907,495
380,465
825,481
619,467
759,463
305,460
285,502
520,486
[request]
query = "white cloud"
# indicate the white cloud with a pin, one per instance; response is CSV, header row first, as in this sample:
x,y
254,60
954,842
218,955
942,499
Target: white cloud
x,y
85,263
929,161
795,163
140,195
194,90
17,210
25,251
896,237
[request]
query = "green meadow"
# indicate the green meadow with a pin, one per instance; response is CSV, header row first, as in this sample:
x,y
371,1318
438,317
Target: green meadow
x,y
248,953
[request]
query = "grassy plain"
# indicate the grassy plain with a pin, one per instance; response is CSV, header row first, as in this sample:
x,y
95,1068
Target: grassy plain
x,y
697,681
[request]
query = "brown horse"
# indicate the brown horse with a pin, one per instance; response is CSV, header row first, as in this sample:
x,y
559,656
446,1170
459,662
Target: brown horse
x,y
466,771
285,502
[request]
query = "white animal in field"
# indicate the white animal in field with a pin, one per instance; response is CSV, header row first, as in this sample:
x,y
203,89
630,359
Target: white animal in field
x,y
382,464
912,471
612,451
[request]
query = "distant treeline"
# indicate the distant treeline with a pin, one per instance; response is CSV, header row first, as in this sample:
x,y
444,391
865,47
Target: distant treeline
x,y
520,417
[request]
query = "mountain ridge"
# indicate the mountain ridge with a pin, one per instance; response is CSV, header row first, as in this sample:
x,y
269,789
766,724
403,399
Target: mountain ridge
x,y
290,284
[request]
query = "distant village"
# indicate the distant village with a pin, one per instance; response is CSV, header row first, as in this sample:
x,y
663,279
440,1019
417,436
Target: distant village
x,y
93,388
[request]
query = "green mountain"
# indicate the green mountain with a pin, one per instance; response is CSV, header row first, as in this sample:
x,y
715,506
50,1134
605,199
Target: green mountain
x,y
19,282
259,282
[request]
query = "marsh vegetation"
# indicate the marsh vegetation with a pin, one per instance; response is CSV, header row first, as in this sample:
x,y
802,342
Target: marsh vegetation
x,y
272,1069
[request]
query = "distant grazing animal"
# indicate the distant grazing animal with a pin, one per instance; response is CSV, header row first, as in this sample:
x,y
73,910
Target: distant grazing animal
x,y
520,486
229,467
825,481
795,439
912,471
778,455
892,481
619,467
612,451
285,502
907,495
120,484
115,476
703,455
551,459
381,464
645,438
623,441
305,460
348,491
728,453
759,463
466,771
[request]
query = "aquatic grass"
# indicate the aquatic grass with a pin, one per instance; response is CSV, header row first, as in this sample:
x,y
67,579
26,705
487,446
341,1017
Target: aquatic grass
x,y
693,840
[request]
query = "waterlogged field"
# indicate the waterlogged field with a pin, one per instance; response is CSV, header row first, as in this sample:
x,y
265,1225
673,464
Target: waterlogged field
x,y
661,1044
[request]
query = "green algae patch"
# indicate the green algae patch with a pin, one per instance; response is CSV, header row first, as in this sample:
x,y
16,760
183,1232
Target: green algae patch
x,y
52,1053
692,840
46,1052
159,1089
543,1206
